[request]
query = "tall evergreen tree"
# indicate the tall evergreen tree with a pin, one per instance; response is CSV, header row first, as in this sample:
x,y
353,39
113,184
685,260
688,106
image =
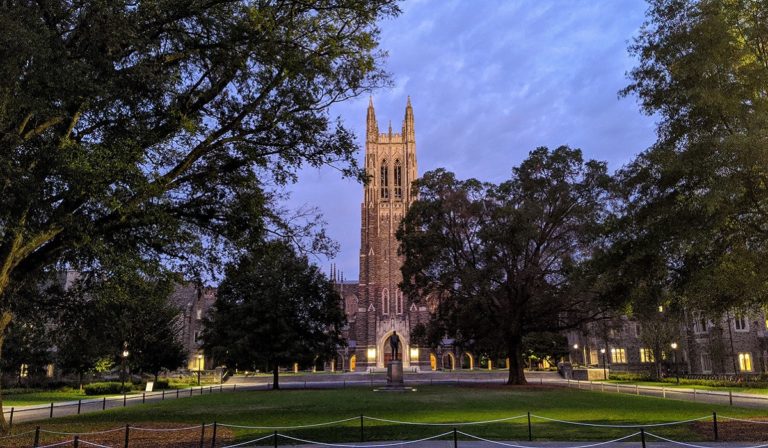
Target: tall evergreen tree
x,y
273,309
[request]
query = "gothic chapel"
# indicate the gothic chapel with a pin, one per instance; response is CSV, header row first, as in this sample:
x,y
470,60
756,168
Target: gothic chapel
x,y
374,305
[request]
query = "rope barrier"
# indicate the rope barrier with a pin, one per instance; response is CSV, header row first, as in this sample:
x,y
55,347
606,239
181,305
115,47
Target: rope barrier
x,y
186,428
17,435
93,444
758,422
250,441
605,425
313,425
381,445
691,445
446,424
62,433
66,442
528,446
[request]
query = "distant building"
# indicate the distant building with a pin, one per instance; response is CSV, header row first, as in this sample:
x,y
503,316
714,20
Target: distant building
x,y
735,343
194,302
375,306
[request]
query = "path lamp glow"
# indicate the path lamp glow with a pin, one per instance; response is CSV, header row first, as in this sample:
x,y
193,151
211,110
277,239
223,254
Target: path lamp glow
x,y
605,373
199,358
123,357
674,361
575,347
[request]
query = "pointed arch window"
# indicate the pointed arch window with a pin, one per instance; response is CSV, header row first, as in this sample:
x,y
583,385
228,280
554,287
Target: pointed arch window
x,y
398,302
398,180
385,301
384,179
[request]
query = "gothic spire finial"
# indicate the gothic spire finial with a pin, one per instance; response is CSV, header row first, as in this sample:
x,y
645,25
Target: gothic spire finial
x,y
409,101
390,127
370,101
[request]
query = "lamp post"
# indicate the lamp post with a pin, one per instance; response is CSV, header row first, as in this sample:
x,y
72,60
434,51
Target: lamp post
x,y
605,372
199,357
674,361
123,357
576,347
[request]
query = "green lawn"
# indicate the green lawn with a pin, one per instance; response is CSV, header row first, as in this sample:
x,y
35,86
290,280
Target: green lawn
x,y
43,397
437,404
734,389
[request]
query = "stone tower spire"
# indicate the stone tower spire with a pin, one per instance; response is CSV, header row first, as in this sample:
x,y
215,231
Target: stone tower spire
x,y
409,134
372,128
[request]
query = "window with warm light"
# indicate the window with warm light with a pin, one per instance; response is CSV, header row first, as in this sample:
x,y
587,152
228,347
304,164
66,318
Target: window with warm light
x,y
618,356
414,354
745,362
371,355
646,355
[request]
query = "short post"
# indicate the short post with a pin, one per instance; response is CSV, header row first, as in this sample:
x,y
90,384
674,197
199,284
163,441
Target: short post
x,y
104,403
714,425
234,387
76,442
202,434
663,392
37,437
143,397
10,422
455,438
163,398
177,392
530,431
127,435
79,404
275,439
213,436
190,391
642,436
125,398
730,397
694,394
637,389
51,413
362,429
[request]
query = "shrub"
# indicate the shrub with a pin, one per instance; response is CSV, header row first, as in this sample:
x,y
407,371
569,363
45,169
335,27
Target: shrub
x,y
623,376
106,388
161,384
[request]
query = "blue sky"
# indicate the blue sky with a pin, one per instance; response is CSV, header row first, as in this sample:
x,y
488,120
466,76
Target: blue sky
x,y
489,82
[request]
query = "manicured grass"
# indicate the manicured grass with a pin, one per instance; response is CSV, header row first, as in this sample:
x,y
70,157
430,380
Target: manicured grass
x,y
436,404
43,397
734,389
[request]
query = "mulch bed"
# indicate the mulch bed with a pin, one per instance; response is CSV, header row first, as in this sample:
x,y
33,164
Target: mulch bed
x,y
734,431
189,438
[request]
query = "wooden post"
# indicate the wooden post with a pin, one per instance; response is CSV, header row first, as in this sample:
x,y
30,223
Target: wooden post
x,y
125,398
714,425
202,434
37,437
79,404
730,397
362,429
275,439
455,439
104,403
642,436
10,422
143,397
213,437
51,414
530,431
76,442
163,399
127,435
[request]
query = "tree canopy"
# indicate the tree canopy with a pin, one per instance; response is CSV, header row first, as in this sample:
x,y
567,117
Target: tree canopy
x,y
506,260
274,308
158,130
693,230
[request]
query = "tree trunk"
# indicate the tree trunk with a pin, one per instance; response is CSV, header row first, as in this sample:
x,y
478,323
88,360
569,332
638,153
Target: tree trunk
x,y
5,320
275,383
516,374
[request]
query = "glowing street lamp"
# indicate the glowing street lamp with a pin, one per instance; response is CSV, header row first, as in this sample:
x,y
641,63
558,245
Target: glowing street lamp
x,y
123,357
674,361
605,373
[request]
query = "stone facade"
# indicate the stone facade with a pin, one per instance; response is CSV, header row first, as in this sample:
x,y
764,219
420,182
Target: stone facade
x,y
194,302
735,343
375,306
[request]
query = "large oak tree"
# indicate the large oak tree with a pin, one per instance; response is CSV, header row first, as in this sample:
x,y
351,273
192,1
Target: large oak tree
x,y
159,129
504,261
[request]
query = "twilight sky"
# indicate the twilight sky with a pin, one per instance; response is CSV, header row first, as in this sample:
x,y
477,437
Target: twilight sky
x,y
489,82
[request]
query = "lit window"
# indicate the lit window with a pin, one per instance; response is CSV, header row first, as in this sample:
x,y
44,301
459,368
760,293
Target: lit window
x,y
740,323
745,362
646,355
618,356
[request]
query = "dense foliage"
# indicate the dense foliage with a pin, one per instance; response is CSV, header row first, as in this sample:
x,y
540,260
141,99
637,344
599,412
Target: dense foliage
x,y
274,308
504,261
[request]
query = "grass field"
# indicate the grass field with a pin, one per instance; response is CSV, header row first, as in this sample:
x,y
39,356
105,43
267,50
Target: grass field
x,y
438,404
734,389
